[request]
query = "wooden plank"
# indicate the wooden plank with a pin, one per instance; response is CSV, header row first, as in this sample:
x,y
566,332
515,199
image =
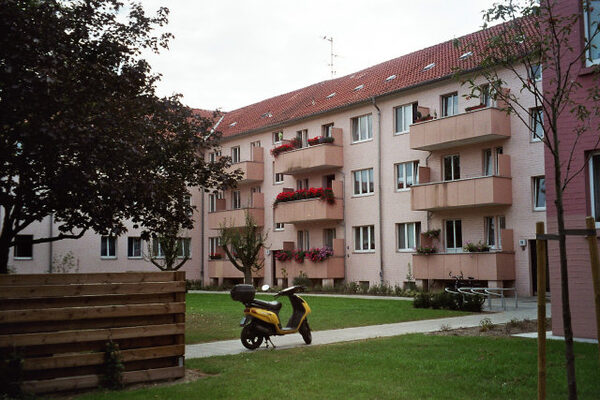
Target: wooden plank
x,y
111,277
89,335
90,290
85,301
79,360
91,381
75,313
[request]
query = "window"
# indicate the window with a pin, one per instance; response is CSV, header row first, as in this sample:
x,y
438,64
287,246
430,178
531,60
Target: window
x,y
278,178
187,199
363,182
212,201
157,250
213,245
403,117
364,238
279,226
487,163
277,137
490,231
450,105
327,130
536,123
591,17
408,235
302,184
451,167
407,174
328,181
499,150
236,199
361,128
328,236
303,240
595,187
213,156
539,193
501,225
134,247
183,248
485,95
235,154
255,144
23,249
535,72
108,247
453,236
302,137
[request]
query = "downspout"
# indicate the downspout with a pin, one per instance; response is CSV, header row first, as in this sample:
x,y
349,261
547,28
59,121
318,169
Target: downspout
x,y
429,213
50,244
203,237
379,190
347,249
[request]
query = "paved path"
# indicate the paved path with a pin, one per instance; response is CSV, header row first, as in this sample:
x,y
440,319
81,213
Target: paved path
x,y
527,309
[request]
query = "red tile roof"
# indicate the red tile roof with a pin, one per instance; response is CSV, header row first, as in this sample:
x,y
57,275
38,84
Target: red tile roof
x,y
313,100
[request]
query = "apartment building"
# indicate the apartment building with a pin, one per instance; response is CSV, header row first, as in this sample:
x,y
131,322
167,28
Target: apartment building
x,y
413,164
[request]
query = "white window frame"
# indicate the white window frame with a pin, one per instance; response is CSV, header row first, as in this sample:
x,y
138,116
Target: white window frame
x,y
455,249
279,226
327,130
401,169
594,182
184,244
302,240
236,200
214,155
235,155
302,135
454,110
490,222
488,162
452,162
277,137
213,243
535,72
370,181
356,128
586,23
362,231
15,257
159,251
212,200
533,123
131,249
401,127
108,256
326,234
407,228
535,183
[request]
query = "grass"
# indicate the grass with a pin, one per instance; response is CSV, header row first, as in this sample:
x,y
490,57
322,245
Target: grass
x,y
212,316
403,367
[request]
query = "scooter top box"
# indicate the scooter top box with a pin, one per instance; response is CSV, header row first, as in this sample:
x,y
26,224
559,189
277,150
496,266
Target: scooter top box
x,y
243,293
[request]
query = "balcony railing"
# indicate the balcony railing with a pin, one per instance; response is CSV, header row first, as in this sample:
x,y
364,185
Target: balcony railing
x,y
476,126
487,266
237,218
309,159
223,268
462,193
311,210
331,268
254,170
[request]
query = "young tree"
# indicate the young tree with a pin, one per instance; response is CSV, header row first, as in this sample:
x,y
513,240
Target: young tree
x,y
84,137
242,246
535,33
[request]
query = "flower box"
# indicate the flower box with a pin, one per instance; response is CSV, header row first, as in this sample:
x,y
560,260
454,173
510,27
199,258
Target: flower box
x,y
302,194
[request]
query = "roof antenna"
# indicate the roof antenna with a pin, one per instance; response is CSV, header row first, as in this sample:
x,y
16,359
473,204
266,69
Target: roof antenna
x,y
330,40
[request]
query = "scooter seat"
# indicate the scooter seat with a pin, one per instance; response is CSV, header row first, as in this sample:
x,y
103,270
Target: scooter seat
x,y
267,305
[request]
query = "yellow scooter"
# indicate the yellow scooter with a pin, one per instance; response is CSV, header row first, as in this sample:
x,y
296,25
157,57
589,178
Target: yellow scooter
x,y
261,318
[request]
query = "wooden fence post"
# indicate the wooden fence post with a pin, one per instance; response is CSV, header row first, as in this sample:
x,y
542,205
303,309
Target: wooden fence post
x,y
541,292
595,264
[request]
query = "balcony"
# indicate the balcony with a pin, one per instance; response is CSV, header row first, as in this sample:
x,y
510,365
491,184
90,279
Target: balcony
x,y
311,210
253,171
332,268
224,269
487,266
463,193
310,159
477,126
237,218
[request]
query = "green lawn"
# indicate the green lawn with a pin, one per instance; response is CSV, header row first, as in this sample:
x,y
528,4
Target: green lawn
x,y
403,367
214,316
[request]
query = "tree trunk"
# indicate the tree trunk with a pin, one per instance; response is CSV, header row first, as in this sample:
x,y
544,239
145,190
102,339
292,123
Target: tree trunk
x,y
4,252
248,276
564,282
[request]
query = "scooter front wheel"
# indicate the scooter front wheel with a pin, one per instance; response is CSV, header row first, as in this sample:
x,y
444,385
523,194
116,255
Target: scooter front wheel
x,y
250,338
305,332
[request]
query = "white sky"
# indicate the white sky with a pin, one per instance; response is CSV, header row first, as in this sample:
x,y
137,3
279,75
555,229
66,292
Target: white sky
x,y
231,53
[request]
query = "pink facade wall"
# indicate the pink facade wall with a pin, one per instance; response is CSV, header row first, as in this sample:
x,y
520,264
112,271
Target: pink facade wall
x,y
576,199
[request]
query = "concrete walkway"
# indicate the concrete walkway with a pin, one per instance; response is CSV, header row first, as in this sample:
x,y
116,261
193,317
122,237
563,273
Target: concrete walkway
x,y
527,310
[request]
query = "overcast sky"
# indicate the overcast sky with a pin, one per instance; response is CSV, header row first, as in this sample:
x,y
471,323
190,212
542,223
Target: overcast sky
x,y
231,53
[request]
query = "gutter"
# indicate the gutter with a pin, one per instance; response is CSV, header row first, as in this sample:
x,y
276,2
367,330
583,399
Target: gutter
x,y
379,190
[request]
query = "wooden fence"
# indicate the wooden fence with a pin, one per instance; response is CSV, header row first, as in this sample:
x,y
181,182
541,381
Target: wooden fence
x,y
60,325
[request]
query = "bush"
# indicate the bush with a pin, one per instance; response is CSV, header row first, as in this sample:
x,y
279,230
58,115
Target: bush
x,y
473,303
422,300
193,284
302,280
446,301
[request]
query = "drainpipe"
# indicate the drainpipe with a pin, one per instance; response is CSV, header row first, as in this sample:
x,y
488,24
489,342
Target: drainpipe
x,y
429,213
203,238
347,249
50,244
379,190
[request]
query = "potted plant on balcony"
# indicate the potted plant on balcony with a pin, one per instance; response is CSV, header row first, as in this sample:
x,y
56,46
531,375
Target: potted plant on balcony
x,y
432,233
477,107
422,118
215,256
302,194
426,250
478,247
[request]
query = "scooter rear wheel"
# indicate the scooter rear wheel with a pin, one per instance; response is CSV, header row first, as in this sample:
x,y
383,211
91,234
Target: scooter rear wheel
x,y
305,332
250,338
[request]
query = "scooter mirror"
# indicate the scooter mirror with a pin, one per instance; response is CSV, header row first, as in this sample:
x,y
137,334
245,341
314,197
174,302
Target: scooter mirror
x,y
264,288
